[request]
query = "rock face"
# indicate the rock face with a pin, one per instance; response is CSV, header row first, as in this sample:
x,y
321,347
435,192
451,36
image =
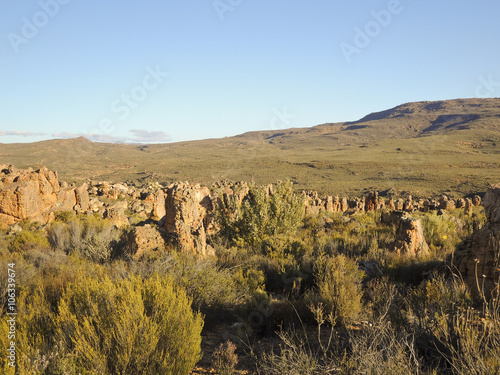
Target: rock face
x,y
26,194
82,197
477,258
187,217
116,213
371,201
143,240
410,238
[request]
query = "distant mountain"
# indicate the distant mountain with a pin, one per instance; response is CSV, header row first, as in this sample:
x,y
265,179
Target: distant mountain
x,y
422,147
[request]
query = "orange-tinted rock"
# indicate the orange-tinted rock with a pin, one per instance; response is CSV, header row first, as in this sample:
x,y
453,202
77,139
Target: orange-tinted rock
x,y
410,237
468,206
476,201
115,212
82,197
187,215
142,240
371,201
477,258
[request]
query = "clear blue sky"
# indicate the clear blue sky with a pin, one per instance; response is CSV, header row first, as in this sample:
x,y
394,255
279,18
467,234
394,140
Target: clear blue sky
x,y
151,70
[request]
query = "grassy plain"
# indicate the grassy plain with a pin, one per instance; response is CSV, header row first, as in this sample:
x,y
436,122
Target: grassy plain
x,y
424,148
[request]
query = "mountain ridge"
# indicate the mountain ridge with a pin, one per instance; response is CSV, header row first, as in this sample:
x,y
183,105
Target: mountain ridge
x,y
420,147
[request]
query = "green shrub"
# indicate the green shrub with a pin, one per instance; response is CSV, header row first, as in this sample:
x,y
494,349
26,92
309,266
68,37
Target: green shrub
x,y
130,326
443,232
439,296
212,289
29,240
261,215
339,287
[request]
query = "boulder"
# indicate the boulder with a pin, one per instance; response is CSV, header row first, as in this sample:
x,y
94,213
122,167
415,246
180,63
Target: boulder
x,y
410,238
142,240
371,201
329,204
399,204
408,204
425,205
27,194
82,197
477,258
187,216
115,212
468,206
344,205
447,205
313,204
154,203
460,203
66,199
476,200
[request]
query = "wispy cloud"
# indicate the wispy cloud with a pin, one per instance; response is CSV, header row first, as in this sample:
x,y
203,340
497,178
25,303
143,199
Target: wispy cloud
x,y
147,136
20,133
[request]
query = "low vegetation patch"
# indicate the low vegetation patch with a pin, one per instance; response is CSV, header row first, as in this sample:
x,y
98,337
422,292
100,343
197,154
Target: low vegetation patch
x,y
285,294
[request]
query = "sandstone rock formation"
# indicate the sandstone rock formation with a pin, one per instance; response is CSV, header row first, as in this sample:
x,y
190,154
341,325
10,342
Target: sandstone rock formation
x,y
82,197
371,201
478,257
157,204
476,200
143,240
115,212
468,206
26,194
410,238
187,209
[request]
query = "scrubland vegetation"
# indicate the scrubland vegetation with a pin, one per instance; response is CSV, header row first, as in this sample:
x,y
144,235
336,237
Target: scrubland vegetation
x,y
288,294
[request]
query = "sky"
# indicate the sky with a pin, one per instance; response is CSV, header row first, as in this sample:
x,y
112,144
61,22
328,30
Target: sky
x,y
169,71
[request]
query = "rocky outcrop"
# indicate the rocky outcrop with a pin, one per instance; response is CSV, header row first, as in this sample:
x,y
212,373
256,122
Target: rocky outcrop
x,y
477,258
186,211
115,212
371,201
82,197
410,238
26,194
143,240
187,217
157,203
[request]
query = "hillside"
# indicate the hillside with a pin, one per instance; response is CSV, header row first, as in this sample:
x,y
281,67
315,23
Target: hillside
x,y
423,147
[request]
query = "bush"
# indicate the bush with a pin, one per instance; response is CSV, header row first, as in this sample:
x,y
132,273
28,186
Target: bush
x,y
225,359
295,357
262,215
339,287
381,350
212,289
90,237
29,240
33,335
470,344
130,326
